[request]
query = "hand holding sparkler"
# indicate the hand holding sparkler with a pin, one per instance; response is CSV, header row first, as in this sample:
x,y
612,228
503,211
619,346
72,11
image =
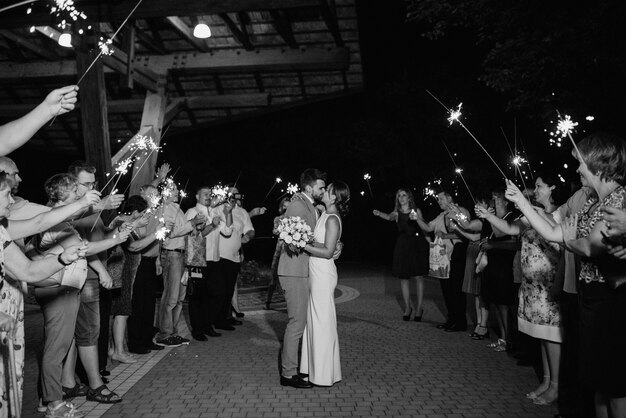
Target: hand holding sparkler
x,y
61,101
162,172
92,197
514,194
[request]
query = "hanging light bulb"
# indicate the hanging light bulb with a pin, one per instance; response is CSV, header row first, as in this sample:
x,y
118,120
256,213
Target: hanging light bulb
x,y
65,40
202,31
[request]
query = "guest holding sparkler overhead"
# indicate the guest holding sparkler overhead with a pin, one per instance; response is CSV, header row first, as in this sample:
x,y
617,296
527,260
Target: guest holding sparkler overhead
x,y
539,314
410,255
498,287
456,244
602,166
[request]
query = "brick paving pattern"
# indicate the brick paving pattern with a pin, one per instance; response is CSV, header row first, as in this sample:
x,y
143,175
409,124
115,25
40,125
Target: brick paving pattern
x,y
390,367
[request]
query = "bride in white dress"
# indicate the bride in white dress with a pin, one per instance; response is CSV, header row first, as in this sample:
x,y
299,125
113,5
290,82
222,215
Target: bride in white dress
x,y
320,343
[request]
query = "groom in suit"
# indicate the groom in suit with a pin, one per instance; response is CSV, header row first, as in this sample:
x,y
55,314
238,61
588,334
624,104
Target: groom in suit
x,y
293,273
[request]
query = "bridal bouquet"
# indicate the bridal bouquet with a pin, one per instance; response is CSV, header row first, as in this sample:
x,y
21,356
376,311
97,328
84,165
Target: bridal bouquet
x,y
295,233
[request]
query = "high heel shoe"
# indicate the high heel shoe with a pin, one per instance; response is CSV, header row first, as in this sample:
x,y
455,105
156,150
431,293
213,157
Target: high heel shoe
x,y
481,335
418,318
237,313
407,317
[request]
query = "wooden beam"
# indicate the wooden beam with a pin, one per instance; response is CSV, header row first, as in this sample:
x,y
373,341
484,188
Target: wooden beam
x,y
305,59
283,27
142,75
117,11
331,22
94,118
187,33
153,113
149,43
223,101
241,34
173,109
266,111
29,45
129,48
232,61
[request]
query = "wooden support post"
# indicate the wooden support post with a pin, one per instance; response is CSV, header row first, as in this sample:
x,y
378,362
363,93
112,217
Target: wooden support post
x,y
153,113
94,117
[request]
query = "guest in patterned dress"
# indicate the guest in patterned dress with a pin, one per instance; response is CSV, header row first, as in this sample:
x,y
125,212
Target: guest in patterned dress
x,y
15,264
602,166
538,314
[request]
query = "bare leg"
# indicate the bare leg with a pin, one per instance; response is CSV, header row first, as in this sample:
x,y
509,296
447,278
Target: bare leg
x,y
119,334
406,296
552,351
419,284
617,406
235,300
545,383
479,311
602,405
503,311
89,358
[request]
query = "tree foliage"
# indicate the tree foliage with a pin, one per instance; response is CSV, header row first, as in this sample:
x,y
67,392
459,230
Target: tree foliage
x,y
542,54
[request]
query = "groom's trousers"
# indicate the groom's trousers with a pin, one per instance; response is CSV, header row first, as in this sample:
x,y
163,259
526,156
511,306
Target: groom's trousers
x,y
297,297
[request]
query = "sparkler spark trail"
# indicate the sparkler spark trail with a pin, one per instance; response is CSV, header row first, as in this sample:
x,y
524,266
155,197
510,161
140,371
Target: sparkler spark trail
x,y
276,181
109,41
292,188
428,192
367,177
459,171
454,116
161,233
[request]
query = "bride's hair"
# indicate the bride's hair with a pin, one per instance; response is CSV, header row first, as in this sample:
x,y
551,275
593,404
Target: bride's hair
x,y
342,196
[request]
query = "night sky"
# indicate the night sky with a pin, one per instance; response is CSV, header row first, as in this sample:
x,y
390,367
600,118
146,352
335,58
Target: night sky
x,y
393,131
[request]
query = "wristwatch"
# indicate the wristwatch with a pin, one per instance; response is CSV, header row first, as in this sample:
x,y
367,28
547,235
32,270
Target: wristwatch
x,y
60,260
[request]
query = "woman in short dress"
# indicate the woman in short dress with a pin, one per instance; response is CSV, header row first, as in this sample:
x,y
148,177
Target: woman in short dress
x,y
410,255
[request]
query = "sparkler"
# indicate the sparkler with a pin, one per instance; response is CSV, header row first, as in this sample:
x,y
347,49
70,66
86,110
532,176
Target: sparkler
x,y
367,177
517,161
145,144
161,233
278,180
459,171
428,192
104,46
454,115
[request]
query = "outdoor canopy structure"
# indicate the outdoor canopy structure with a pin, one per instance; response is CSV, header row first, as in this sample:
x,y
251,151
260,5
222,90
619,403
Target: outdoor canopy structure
x,y
262,56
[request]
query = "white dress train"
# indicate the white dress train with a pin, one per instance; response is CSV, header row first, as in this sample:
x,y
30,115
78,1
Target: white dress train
x,y
320,342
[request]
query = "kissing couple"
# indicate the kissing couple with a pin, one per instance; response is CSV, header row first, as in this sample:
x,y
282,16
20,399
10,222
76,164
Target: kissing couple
x,y
309,278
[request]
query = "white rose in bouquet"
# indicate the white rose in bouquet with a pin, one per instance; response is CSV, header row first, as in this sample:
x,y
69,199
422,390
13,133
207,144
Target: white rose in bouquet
x,y
295,233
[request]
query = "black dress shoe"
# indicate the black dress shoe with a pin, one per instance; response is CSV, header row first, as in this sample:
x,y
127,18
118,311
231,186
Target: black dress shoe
x,y
234,321
139,350
155,347
105,372
199,337
295,382
211,333
226,327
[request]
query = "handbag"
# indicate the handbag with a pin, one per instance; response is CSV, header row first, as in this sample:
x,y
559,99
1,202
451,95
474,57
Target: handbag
x,y
438,260
195,250
613,270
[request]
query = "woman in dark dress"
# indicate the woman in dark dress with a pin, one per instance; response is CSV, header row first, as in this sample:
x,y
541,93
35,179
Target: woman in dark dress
x,y
410,255
271,286
498,289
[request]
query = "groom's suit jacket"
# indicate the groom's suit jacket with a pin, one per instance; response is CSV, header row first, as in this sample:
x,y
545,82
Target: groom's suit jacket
x,y
298,266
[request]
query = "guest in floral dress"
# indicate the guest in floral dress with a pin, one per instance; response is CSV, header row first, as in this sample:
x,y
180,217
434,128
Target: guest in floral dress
x,y
602,167
538,314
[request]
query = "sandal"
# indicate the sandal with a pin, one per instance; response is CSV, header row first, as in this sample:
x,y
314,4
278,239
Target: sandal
x,y
79,389
481,336
95,395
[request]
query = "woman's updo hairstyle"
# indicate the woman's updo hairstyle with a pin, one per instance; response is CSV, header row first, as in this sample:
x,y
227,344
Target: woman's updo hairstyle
x,y
59,186
342,196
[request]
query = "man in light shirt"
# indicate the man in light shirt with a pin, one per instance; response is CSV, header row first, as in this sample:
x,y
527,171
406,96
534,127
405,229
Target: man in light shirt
x,y
230,256
172,263
208,288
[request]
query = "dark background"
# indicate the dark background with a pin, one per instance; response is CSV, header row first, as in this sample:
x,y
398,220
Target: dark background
x,y
512,64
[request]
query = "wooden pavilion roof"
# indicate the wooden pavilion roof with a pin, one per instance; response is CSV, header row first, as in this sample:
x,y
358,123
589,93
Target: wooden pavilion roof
x,y
263,55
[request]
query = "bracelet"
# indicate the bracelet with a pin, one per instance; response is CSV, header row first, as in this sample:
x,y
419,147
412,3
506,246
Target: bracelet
x,y
60,260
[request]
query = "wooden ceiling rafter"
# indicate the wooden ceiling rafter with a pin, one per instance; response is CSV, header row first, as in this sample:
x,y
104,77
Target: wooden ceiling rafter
x,y
29,45
187,33
148,42
330,18
239,31
282,24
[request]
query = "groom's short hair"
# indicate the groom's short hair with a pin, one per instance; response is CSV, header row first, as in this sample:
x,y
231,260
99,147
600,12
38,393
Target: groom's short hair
x,y
310,176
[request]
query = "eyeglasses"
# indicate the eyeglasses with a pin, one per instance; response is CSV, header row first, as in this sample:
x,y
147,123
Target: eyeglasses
x,y
90,185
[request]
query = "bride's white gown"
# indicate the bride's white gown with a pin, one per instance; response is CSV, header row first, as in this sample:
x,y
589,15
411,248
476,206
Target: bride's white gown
x,y
320,343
